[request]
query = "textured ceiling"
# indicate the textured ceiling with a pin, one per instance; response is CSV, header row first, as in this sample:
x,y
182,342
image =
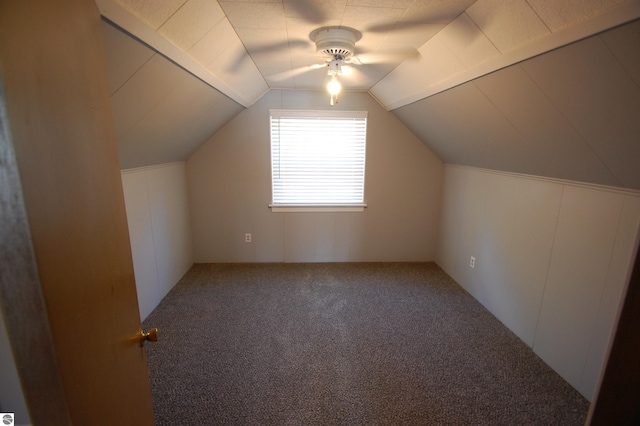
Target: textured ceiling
x,y
410,49
482,91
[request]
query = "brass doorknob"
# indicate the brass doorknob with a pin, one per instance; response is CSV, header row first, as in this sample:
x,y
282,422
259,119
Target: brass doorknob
x,y
151,335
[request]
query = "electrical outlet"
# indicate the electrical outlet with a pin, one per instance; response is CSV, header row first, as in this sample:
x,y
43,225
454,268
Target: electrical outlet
x,y
472,262
247,238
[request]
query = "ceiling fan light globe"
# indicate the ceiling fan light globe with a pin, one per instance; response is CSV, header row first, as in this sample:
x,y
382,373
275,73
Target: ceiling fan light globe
x,y
334,87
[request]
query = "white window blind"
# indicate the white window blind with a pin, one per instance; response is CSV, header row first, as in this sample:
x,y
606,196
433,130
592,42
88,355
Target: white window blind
x,y
318,157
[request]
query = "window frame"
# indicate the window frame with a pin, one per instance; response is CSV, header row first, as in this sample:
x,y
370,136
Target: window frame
x,y
317,207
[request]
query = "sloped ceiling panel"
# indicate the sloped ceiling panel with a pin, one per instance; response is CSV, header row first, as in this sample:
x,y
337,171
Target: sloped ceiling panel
x,y
161,112
573,113
493,34
196,35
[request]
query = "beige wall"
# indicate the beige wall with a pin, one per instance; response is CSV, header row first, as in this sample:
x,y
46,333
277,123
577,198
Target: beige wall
x,y
229,181
552,256
159,229
552,259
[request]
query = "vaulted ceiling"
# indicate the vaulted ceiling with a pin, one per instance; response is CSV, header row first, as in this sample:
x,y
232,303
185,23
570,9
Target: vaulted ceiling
x,y
470,78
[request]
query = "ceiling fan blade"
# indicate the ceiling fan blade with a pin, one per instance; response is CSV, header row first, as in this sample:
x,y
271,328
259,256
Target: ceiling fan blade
x,y
307,10
353,60
283,45
445,14
281,76
259,50
386,56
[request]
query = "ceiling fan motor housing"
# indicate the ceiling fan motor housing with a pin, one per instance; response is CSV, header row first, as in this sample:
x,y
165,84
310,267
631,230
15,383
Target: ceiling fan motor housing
x,y
336,42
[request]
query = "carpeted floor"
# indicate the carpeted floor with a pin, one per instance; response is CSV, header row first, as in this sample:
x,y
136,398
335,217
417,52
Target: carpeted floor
x,y
343,344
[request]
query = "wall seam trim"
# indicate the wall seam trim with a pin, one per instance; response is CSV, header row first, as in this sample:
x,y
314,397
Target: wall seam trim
x,y
563,182
604,287
153,238
546,278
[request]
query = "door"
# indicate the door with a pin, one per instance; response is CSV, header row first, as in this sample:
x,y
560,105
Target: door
x,y
69,294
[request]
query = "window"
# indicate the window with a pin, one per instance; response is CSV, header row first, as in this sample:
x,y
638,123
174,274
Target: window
x,y
318,160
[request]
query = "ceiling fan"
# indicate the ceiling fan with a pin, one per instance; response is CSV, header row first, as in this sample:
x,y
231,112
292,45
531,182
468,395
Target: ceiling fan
x,y
337,44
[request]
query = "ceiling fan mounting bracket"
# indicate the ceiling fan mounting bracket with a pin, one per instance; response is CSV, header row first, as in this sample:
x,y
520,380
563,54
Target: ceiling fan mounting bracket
x,y
335,42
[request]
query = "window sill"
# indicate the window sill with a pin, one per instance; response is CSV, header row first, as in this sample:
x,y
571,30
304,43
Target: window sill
x,y
308,208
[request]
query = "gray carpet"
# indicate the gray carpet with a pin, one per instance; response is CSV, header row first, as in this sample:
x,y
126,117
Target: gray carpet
x,y
343,344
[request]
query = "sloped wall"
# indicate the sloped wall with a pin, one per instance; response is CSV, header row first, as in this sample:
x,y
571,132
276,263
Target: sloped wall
x,y
159,230
229,181
552,260
571,113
